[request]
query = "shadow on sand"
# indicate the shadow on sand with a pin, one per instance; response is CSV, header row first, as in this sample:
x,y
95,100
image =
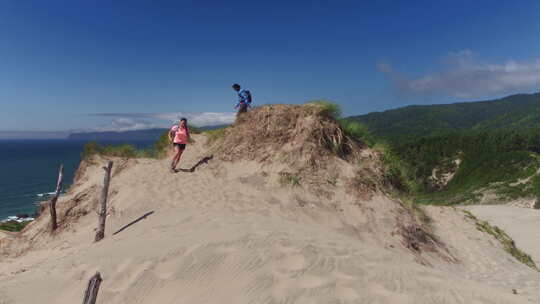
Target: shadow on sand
x,y
204,160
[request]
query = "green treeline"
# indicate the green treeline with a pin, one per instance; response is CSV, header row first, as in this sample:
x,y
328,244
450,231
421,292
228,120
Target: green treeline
x,y
496,143
518,112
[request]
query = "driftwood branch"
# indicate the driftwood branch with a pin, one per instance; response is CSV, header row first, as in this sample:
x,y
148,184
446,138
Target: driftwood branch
x,y
100,234
52,203
90,295
134,222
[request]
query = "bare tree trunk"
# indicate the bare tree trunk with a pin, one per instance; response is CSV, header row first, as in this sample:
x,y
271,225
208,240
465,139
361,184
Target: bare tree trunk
x,y
52,203
90,295
100,234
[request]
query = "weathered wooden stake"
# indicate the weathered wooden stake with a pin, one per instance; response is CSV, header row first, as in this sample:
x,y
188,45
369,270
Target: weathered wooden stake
x,y
90,295
52,203
100,234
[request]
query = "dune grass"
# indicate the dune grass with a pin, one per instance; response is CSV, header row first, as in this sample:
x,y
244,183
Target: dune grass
x,y
13,226
357,130
129,151
328,108
506,241
123,150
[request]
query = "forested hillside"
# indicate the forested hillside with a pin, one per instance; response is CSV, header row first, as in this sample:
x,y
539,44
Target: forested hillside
x,y
464,152
516,111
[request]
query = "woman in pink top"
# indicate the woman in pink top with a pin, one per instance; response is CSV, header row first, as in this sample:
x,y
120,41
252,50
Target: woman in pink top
x,y
179,136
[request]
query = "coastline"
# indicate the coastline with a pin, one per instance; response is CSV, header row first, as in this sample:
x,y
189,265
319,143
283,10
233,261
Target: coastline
x,y
30,170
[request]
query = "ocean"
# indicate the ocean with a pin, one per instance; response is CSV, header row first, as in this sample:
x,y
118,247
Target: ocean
x,y
29,171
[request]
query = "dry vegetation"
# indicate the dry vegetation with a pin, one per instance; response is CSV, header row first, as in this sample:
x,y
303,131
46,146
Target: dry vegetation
x,y
304,136
310,141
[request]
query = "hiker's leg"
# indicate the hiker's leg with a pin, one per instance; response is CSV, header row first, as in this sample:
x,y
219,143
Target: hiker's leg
x,y
179,155
175,157
241,111
243,108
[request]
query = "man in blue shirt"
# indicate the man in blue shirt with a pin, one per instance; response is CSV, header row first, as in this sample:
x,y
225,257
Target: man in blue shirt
x,y
244,99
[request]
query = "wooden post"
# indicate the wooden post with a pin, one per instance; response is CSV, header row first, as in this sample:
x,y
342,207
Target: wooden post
x,y
52,203
100,234
90,295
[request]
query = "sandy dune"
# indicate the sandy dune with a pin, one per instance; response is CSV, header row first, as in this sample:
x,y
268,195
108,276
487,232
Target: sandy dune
x,y
522,224
229,233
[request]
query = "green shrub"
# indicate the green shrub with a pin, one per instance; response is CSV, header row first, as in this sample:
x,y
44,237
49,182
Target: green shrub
x,y
328,108
90,149
161,145
357,130
124,150
396,172
13,226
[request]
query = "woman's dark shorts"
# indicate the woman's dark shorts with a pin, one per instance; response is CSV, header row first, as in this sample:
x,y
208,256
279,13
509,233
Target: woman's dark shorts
x,y
180,146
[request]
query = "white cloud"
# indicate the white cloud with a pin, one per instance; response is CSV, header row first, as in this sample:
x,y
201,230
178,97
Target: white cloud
x,y
140,121
125,124
198,119
464,77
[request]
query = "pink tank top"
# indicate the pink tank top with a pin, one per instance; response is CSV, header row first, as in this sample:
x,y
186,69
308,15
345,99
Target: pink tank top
x,y
181,136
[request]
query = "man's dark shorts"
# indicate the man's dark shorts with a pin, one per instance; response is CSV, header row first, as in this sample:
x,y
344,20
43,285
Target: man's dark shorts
x,y
180,146
243,108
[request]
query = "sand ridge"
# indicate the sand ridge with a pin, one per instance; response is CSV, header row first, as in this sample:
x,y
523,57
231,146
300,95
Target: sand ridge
x,y
227,233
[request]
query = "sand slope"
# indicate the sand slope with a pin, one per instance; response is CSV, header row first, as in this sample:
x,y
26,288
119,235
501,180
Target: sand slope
x,y
229,233
522,224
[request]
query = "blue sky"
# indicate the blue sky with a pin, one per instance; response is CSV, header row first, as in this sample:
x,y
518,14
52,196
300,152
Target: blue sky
x,y
65,63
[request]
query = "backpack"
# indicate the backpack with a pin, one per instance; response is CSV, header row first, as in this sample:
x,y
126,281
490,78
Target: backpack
x,y
248,95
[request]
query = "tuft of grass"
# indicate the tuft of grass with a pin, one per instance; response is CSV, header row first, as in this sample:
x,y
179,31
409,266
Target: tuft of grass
x,y
357,130
123,150
90,149
94,148
13,226
506,241
396,172
327,108
289,179
162,144
418,211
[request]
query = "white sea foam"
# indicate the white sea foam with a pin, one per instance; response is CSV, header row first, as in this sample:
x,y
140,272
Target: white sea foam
x,y
17,219
45,194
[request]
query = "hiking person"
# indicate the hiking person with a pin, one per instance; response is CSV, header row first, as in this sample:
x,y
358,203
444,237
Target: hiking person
x,y
179,136
244,99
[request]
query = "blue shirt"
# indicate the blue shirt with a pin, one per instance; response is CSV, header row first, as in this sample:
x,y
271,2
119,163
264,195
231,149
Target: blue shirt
x,y
244,96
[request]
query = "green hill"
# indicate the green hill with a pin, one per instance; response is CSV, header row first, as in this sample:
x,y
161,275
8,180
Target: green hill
x,y
486,151
516,111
